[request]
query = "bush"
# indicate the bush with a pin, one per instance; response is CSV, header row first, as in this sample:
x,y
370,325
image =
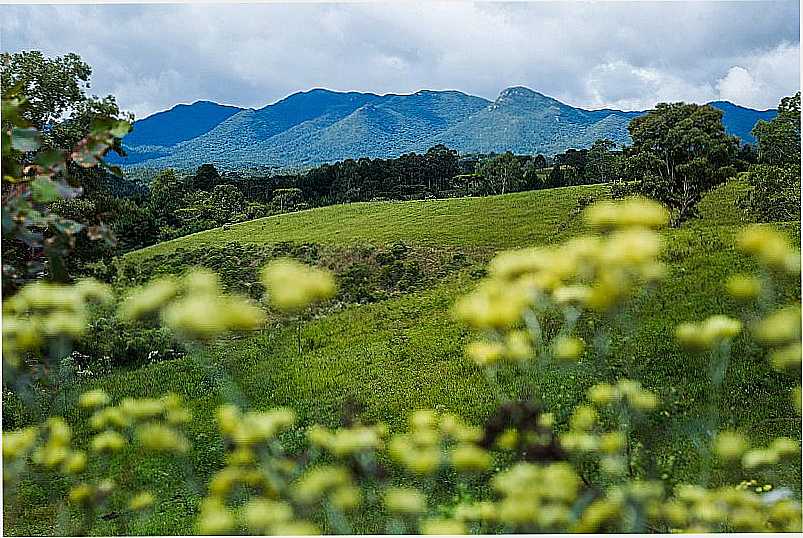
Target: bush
x,y
774,193
109,342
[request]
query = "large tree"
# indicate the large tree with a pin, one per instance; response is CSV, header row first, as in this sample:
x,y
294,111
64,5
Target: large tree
x,y
62,135
58,106
680,151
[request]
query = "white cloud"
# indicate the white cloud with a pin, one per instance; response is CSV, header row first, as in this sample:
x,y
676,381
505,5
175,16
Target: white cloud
x,y
753,82
624,55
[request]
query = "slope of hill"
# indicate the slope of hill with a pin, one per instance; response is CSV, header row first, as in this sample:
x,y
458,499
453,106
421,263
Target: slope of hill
x,y
739,121
156,134
318,126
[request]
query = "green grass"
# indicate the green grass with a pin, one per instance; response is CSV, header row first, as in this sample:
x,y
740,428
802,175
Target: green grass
x,y
497,221
405,353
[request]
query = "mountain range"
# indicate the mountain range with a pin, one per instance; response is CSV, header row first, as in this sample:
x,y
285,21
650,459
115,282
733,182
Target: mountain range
x,y
318,126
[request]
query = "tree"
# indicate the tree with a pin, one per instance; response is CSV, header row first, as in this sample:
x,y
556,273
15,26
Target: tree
x,y
205,178
166,196
601,162
52,102
539,161
573,163
680,151
36,239
57,104
774,193
779,139
504,173
288,199
228,202
556,177
53,86
775,182
440,165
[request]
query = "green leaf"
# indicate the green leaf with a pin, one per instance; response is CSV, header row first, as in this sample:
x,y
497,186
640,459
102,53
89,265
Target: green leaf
x,y
120,129
115,170
100,125
49,158
45,190
25,139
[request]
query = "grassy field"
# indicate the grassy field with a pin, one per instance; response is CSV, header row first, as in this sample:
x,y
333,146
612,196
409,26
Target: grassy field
x,y
406,352
497,221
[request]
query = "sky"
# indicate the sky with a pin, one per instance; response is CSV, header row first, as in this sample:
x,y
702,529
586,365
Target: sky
x,y
625,55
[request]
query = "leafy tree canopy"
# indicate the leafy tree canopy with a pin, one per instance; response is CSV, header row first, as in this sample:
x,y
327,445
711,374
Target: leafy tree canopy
x,y
680,151
779,139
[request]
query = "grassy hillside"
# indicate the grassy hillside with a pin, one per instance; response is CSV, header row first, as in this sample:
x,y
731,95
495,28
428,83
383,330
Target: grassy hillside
x,y
406,352
495,221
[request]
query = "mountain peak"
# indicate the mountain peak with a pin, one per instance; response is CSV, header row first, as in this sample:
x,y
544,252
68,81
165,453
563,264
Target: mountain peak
x,y
519,91
523,95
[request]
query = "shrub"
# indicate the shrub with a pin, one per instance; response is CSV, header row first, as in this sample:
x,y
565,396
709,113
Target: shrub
x,y
774,193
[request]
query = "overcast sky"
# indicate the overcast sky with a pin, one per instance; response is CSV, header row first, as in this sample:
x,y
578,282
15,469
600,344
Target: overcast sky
x,y
626,55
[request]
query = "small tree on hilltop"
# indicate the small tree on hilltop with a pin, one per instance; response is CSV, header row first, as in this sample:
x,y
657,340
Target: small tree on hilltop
x,y
504,173
680,151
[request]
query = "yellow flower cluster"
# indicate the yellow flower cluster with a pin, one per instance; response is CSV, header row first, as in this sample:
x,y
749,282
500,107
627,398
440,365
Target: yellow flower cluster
x,y
770,247
439,526
254,467
405,501
730,445
583,437
634,212
610,511
781,447
596,272
707,334
743,287
348,441
696,509
49,446
567,348
626,390
154,421
533,496
292,286
422,449
43,311
259,515
55,451
18,443
194,306
329,482
253,427
780,327
781,331
87,495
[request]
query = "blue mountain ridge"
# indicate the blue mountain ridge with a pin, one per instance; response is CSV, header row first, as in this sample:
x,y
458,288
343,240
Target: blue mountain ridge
x,y
319,125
